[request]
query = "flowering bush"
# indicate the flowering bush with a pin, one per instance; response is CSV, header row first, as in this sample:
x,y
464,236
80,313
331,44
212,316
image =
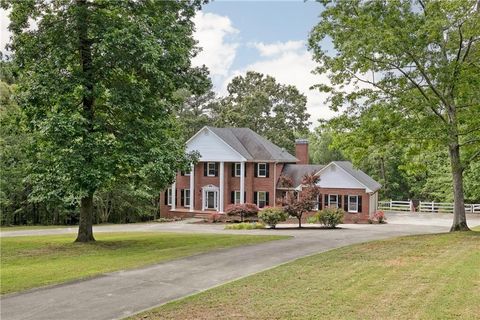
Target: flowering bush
x,y
215,217
242,210
272,216
379,216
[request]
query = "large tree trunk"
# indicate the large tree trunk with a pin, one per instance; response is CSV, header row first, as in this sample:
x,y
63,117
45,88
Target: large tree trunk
x,y
459,218
85,233
85,230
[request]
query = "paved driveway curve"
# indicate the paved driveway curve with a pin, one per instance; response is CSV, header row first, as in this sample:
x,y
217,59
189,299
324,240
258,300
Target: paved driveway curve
x,y
120,294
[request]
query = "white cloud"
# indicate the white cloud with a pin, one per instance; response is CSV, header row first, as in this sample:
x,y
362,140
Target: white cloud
x,y
272,49
4,32
213,33
290,63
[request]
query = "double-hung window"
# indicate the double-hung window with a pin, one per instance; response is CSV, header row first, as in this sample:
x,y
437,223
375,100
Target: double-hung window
x,y
238,169
262,170
236,197
169,196
352,203
261,199
211,169
186,197
333,200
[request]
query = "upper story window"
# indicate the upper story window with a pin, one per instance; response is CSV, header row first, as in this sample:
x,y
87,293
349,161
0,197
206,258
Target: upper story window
x,y
262,170
238,169
211,169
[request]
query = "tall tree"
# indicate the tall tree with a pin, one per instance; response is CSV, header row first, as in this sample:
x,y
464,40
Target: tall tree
x,y
419,57
96,81
258,102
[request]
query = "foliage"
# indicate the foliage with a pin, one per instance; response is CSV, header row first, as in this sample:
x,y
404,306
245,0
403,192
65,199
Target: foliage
x,y
97,84
379,216
214,217
416,61
242,210
296,204
321,148
245,226
330,217
272,216
273,110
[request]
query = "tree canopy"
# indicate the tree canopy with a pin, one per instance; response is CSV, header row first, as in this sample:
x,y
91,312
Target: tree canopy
x,y
96,81
413,59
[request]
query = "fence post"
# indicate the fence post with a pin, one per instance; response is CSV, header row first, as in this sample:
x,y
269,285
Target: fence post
x,y
412,208
391,204
433,206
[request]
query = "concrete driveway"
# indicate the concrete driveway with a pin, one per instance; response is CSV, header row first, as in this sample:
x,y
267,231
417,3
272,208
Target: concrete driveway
x,y
120,294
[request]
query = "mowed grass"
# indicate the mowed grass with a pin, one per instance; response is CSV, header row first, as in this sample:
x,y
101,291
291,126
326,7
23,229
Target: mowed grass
x,y
415,277
29,262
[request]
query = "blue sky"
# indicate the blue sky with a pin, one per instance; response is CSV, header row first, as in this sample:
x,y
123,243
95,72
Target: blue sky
x,y
265,36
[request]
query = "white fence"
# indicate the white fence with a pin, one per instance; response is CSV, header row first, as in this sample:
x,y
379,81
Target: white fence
x,y
424,206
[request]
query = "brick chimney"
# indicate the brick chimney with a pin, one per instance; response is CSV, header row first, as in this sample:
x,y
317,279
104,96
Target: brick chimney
x,y
301,151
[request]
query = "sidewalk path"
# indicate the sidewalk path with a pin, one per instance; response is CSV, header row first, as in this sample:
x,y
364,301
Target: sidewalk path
x,y
120,294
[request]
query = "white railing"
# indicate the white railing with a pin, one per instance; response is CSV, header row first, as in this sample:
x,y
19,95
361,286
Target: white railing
x,y
424,206
396,205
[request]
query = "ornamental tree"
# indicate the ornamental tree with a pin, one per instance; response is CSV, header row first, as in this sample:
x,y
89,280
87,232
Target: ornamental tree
x,y
242,210
96,80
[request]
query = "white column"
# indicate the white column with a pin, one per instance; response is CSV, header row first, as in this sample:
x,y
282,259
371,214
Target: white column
x,y
242,182
174,189
222,187
192,188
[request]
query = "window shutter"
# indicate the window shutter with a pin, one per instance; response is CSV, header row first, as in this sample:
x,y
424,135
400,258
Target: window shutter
x,y
255,170
166,197
255,197
359,203
182,173
320,201
205,169
245,169
345,203
232,197
216,169
176,196
182,197
326,200
267,195
267,169
245,196
233,169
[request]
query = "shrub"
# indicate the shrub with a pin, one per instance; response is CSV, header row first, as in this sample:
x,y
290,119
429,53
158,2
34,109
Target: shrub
x,y
312,219
272,216
245,226
242,210
215,217
330,217
379,216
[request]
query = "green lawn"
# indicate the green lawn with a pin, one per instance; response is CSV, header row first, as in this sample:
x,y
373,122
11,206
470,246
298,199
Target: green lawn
x,y
35,227
416,277
29,262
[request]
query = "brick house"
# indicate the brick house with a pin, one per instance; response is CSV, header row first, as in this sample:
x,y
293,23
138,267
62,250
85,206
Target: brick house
x,y
237,165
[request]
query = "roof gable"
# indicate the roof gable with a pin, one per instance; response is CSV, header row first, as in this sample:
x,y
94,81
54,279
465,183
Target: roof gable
x,y
212,147
342,174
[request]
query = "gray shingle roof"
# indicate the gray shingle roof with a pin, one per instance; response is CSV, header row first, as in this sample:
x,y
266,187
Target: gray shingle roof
x,y
251,145
359,175
297,171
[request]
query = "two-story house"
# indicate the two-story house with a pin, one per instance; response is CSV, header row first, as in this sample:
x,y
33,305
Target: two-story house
x,y
237,165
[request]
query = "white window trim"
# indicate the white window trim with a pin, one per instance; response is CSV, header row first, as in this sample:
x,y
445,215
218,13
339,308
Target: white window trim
x,y
236,200
185,198
258,198
186,173
169,196
238,172
208,169
329,202
356,203
317,207
258,170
